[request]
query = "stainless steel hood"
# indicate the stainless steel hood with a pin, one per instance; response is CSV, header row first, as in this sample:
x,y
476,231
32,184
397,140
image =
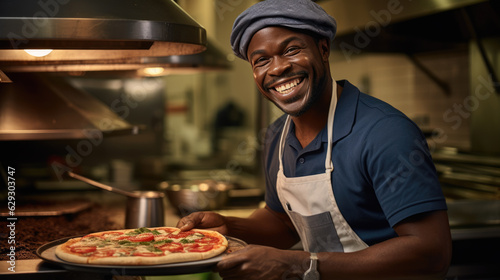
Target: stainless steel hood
x,y
83,30
412,26
46,107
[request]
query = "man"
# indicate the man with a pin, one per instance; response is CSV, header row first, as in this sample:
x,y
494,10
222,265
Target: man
x,y
346,174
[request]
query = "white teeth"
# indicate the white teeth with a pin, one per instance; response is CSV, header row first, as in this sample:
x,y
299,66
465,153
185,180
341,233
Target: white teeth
x,y
285,88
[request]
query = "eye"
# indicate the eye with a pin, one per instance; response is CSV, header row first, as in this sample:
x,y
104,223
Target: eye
x,y
260,61
292,50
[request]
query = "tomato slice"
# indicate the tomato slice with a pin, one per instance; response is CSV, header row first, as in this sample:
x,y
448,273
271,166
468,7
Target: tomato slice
x,y
104,253
83,249
143,237
173,247
90,236
182,234
195,247
123,251
209,239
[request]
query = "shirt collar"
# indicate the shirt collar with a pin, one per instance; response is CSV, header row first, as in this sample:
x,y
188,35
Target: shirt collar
x,y
345,113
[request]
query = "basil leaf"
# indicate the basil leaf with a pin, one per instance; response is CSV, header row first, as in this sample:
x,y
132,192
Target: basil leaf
x,y
161,242
144,229
139,231
153,249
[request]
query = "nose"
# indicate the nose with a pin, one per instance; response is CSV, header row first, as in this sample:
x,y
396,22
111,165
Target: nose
x,y
279,66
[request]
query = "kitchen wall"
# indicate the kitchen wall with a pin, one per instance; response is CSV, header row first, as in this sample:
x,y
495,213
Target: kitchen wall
x,y
396,80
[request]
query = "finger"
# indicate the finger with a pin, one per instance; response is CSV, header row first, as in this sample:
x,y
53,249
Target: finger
x,y
230,262
234,273
188,222
185,224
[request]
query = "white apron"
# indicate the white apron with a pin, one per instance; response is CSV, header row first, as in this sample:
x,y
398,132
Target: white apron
x,y
310,203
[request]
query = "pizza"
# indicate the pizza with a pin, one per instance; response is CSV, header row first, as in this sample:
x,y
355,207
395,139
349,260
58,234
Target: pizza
x,y
143,246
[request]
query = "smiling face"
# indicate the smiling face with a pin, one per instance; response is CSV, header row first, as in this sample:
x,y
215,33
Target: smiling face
x,y
290,68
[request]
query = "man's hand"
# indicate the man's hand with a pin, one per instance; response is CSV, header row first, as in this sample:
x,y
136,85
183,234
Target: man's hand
x,y
204,220
262,262
264,227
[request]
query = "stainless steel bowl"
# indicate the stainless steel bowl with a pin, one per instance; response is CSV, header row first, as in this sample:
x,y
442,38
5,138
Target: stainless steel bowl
x,y
191,196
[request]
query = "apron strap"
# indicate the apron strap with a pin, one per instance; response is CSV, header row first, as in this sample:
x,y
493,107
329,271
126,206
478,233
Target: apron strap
x,y
286,128
331,117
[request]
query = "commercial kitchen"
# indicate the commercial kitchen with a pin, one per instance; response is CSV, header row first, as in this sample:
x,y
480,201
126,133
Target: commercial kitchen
x,y
138,114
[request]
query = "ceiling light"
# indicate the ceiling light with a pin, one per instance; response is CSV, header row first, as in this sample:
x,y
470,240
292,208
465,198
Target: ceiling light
x,y
38,52
151,71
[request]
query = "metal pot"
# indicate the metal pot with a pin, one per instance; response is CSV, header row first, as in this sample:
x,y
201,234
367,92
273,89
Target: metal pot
x,y
145,210
191,196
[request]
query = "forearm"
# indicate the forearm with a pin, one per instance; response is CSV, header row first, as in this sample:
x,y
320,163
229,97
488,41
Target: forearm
x,y
422,250
397,258
262,228
377,262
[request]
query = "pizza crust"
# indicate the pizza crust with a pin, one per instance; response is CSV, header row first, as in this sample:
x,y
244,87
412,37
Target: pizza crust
x,y
63,251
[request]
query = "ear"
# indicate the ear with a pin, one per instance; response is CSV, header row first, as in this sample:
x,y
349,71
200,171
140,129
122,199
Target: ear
x,y
324,48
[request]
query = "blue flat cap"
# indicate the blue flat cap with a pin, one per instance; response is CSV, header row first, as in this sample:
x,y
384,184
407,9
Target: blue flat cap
x,y
296,14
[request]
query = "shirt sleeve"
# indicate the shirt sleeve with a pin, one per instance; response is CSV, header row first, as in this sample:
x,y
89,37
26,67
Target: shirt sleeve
x,y
401,169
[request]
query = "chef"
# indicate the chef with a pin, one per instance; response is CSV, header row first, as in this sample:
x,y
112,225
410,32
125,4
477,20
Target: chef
x,y
347,175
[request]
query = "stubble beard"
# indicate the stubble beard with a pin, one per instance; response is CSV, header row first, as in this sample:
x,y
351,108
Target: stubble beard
x,y
316,93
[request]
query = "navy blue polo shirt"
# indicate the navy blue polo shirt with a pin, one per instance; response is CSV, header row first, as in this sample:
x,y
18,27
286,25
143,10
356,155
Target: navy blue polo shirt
x,y
383,171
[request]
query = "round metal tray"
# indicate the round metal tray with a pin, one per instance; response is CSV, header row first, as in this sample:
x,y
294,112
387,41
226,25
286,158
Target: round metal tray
x,y
47,253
